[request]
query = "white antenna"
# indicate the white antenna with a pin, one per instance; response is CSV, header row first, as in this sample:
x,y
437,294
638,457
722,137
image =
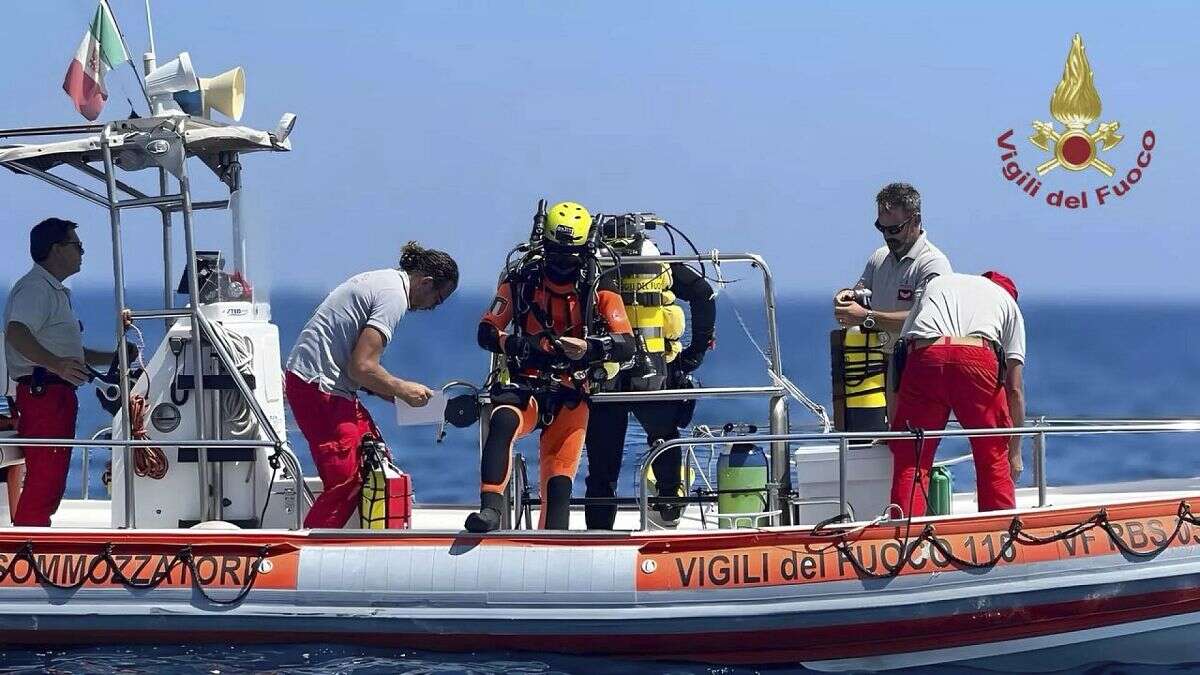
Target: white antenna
x,y
150,61
150,27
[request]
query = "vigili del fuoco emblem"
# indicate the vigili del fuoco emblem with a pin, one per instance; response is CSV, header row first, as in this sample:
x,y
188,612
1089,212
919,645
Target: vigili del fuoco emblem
x,y
1076,104
1076,145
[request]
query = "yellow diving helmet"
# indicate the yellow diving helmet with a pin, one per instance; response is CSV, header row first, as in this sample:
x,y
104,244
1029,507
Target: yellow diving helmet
x,y
567,224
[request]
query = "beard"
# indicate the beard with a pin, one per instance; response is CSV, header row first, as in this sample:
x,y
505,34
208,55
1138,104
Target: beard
x,y
897,246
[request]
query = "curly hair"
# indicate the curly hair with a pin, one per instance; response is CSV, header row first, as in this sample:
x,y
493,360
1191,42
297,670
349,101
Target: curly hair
x,y
430,262
900,195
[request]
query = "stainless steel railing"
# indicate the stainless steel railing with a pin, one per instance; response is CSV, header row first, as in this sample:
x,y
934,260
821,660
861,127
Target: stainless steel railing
x,y
1040,433
777,406
167,202
128,445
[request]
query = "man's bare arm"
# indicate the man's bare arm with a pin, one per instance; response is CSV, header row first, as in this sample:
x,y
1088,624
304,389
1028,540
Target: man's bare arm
x,y
1014,389
852,314
366,370
70,369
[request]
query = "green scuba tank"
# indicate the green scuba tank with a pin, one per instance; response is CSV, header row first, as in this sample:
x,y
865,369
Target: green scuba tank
x,y
741,483
941,491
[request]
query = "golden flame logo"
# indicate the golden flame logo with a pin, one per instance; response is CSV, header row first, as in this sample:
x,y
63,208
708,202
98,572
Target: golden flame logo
x,y
1076,104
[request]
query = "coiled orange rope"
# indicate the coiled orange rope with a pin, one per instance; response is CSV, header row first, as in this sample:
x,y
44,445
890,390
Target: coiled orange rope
x,y
148,462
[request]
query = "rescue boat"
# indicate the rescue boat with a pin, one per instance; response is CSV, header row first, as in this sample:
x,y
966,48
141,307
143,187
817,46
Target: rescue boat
x,y
821,574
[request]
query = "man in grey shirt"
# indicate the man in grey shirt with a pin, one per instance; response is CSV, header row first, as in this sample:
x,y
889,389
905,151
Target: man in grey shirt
x,y
896,273
338,352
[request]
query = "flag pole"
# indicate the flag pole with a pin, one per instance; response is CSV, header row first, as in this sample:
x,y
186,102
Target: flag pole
x,y
132,65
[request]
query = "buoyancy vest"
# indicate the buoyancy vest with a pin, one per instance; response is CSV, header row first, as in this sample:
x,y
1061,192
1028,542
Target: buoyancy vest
x,y
542,311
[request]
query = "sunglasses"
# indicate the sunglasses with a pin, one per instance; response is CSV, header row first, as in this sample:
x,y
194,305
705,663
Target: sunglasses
x,y
73,242
893,229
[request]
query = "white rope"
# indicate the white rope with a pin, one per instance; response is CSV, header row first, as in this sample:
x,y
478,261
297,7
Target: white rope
x,y
140,343
779,379
235,411
715,257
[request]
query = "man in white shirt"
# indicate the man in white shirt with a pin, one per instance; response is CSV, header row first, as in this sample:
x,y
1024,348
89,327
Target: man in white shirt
x,y
43,343
338,353
965,352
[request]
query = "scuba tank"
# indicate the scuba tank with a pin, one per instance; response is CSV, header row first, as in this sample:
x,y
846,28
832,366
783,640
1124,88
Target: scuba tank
x,y
386,490
658,323
941,491
642,286
741,481
859,369
858,366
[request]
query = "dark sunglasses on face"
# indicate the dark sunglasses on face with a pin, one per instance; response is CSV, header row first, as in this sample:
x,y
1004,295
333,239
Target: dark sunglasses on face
x,y
73,242
893,229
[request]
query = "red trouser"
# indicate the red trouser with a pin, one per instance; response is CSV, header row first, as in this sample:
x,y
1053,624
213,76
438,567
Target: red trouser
x,y
50,414
334,427
936,380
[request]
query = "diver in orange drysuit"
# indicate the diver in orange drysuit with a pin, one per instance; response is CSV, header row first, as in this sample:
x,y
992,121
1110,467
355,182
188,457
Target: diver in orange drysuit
x,y
552,356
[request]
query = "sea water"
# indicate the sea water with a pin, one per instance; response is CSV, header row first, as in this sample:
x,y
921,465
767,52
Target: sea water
x,y
1086,358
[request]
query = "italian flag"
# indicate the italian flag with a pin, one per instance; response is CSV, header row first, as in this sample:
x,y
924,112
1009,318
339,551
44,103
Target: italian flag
x,y
100,51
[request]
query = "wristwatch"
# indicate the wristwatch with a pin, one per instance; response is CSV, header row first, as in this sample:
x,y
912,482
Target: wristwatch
x,y
869,322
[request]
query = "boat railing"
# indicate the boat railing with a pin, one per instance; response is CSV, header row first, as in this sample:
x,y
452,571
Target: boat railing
x,y
776,393
119,196
1042,429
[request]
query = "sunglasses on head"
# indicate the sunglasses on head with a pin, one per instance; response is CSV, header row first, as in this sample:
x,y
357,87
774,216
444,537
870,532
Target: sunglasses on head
x,y
893,229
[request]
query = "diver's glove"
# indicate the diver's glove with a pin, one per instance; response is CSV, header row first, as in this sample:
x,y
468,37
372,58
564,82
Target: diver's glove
x,y
518,346
690,358
599,349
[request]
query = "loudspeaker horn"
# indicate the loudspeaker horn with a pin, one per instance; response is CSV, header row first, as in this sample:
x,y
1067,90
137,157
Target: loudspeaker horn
x,y
225,93
176,76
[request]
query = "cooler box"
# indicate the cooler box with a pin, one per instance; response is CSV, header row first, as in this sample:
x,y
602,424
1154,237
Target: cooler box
x,y
868,480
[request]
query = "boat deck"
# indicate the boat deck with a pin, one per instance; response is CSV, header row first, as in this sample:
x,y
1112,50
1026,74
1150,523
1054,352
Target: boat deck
x,y
96,513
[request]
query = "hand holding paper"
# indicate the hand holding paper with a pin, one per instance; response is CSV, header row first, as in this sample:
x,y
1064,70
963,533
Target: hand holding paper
x,y
432,412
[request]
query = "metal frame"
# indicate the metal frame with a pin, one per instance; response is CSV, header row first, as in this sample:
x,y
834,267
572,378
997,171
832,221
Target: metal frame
x,y
777,411
779,476
167,203
843,439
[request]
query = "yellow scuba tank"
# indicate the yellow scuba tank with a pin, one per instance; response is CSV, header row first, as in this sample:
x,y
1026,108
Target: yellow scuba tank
x,y
645,290
386,490
642,287
859,369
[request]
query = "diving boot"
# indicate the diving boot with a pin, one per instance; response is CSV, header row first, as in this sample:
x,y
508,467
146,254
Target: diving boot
x,y
487,518
666,516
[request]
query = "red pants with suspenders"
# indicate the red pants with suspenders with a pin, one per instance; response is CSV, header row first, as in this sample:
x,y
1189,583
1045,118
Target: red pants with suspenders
x,y
938,379
50,414
334,427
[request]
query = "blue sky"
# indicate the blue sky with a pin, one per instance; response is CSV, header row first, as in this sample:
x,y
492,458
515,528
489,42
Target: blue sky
x,y
763,126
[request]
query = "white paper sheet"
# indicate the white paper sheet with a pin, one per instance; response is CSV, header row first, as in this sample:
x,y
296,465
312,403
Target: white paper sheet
x,y
430,413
